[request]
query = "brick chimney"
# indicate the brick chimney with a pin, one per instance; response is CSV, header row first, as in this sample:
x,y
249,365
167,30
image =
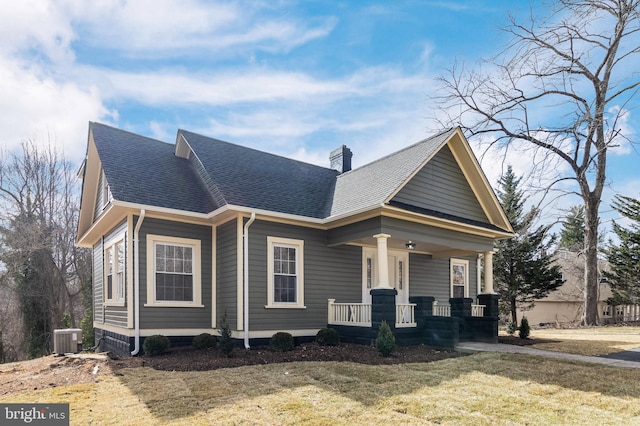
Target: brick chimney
x,y
341,159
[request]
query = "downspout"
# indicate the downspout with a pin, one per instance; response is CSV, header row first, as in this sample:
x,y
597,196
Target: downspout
x,y
245,241
136,283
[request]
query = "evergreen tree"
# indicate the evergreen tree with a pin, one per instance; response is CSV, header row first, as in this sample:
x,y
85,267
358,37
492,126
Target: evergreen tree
x,y
523,268
572,234
624,257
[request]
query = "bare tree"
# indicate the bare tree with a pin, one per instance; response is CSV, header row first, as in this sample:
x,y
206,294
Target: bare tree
x,y
39,200
562,89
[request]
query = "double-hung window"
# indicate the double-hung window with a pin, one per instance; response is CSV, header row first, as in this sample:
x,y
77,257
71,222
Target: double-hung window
x,y
285,269
115,263
459,278
173,271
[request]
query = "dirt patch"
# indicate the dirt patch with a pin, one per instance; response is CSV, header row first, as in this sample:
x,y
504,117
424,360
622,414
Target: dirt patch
x,y
51,371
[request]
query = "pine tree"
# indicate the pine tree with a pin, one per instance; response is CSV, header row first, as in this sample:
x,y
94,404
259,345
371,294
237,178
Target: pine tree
x,y
523,268
572,234
624,257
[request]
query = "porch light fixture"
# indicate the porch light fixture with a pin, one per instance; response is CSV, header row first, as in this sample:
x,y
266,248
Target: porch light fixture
x,y
410,245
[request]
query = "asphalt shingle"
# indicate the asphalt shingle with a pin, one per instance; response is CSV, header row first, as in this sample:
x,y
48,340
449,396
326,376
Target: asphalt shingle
x,y
251,178
372,184
145,171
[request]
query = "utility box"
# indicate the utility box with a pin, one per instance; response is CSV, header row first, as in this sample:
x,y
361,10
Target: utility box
x,y
68,340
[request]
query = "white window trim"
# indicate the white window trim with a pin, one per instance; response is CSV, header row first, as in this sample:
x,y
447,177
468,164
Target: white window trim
x,y
459,262
299,246
110,246
151,275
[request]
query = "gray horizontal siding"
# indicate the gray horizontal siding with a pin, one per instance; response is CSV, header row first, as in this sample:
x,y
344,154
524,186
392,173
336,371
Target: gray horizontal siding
x,y
227,273
176,317
431,277
116,315
441,186
329,272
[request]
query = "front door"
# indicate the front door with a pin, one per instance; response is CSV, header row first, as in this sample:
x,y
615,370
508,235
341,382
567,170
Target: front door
x,y
398,264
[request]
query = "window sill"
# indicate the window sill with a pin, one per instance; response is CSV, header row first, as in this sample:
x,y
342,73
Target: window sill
x,y
172,305
109,303
285,307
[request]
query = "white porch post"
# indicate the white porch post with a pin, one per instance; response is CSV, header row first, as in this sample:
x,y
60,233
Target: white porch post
x,y
383,265
488,273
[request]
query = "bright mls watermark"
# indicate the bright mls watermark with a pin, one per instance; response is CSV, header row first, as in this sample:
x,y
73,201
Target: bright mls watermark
x,y
35,414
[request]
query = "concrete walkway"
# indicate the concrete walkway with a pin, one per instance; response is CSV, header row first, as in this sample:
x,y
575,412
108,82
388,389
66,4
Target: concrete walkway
x,y
513,349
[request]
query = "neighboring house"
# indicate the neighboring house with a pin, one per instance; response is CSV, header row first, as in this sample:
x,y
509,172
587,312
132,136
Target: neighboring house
x,y
184,233
566,304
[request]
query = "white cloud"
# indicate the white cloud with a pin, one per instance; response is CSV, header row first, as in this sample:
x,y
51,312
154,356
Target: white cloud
x,y
38,25
33,103
173,87
152,27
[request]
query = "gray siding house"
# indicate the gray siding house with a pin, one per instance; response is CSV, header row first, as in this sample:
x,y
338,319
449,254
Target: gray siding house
x,y
185,233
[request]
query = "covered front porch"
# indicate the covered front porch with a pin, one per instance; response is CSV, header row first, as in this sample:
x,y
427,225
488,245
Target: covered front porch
x,y
423,321
418,318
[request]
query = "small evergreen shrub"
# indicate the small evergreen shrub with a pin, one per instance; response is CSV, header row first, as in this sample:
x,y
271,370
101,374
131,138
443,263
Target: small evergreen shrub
x,y
204,341
511,327
386,342
525,330
282,342
328,337
156,344
226,342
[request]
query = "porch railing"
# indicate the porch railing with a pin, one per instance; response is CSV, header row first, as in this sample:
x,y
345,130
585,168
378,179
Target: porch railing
x,y
441,310
445,310
405,315
359,314
354,314
477,310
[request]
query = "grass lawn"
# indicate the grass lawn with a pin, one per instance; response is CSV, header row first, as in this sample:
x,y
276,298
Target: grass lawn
x,y
589,341
481,389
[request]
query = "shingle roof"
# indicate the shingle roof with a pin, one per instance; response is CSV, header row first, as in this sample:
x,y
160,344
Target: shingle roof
x,y
251,178
372,184
145,171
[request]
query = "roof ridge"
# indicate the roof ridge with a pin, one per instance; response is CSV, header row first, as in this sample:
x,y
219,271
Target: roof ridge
x,y
256,150
395,153
137,135
204,176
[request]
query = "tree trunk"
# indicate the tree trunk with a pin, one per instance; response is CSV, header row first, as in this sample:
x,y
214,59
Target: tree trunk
x,y
514,314
591,263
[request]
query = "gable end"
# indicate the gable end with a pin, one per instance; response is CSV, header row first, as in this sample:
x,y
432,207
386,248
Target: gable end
x,y
440,186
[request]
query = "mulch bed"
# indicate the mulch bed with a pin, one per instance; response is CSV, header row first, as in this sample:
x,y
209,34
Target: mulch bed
x,y
189,359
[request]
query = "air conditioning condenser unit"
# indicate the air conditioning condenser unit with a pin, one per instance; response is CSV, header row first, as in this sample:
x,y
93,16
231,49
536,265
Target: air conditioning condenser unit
x,y
67,340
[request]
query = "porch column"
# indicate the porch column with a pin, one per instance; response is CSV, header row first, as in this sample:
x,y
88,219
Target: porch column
x,y
383,265
488,273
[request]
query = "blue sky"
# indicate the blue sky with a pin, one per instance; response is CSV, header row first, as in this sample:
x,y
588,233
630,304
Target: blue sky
x,y
293,78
